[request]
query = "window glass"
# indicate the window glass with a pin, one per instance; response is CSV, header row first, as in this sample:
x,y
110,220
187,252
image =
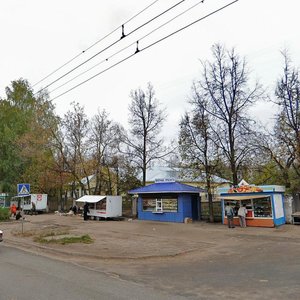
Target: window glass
x,y
149,204
160,204
262,208
170,205
101,204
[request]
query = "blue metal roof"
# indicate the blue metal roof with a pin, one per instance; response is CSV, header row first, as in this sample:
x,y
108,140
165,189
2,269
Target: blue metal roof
x,y
166,187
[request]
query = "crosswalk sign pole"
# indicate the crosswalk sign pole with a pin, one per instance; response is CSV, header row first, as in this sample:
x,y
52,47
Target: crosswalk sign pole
x,y
22,225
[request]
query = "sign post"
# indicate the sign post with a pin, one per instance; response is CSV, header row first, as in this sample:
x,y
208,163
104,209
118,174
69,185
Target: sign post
x,y
23,190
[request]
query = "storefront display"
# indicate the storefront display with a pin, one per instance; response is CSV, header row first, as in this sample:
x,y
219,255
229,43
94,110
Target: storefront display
x,y
264,204
160,204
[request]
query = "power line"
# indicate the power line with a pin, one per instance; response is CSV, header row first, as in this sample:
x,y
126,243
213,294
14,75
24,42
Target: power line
x,y
147,47
112,44
95,43
114,54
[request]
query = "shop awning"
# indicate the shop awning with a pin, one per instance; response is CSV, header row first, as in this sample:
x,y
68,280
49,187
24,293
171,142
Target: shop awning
x,y
242,197
91,198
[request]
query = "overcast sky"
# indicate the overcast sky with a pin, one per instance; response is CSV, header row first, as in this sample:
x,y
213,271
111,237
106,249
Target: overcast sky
x,y
37,37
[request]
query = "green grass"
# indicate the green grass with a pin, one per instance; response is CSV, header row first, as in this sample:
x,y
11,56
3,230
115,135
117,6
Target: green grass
x,y
4,213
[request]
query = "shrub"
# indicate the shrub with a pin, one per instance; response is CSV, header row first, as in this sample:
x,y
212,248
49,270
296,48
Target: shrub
x,y
4,213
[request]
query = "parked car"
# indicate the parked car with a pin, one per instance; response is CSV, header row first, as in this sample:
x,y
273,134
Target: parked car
x,y
1,235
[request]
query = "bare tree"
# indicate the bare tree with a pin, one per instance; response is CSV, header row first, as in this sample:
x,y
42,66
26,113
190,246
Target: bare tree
x,y
224,84
74,147
284,142
288,120
146,119
104,144
197,144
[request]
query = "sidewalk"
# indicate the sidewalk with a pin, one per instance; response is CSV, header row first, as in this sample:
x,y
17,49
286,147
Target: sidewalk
x,y
133,239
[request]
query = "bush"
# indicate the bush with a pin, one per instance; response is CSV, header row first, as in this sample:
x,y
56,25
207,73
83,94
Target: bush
x,y
4,213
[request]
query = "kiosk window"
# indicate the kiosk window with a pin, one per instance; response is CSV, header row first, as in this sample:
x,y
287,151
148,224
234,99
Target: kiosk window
x,y
149,204
262,208
170,205
101,204
160,204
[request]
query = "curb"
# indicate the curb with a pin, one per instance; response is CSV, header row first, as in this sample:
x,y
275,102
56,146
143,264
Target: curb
x,y
32,248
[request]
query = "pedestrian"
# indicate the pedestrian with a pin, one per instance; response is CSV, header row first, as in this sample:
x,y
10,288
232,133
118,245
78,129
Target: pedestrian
x,y
33,208
229,214
85,211
242,212
20,213
13,210
75,209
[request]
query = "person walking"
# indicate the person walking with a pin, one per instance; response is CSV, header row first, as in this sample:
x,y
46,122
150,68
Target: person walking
x,y
229,214
242,212
85,211
33,208
13,210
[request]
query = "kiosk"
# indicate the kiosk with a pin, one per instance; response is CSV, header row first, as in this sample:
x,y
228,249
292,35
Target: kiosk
x,y
265,204
26,202
103,206
168,201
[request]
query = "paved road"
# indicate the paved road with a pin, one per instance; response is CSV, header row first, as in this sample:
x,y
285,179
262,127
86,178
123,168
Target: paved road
x,y
194,261
28,276
251,267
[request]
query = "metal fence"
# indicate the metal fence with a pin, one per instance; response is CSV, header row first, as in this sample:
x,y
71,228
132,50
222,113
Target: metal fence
x,y
217,209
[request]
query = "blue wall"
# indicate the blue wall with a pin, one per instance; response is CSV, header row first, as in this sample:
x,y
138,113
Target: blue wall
x,y
184,211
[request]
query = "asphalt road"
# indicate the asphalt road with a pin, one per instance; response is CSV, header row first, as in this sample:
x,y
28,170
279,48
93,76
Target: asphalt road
x,y
259,270
151,260
29,276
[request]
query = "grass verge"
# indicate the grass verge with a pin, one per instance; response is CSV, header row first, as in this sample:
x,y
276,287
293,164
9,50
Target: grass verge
x,y
85,239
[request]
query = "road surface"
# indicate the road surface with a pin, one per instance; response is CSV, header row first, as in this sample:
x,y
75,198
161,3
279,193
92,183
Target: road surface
x,y
28,276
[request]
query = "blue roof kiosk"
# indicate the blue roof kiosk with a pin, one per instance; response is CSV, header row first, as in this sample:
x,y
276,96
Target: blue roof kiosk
x,y
168,201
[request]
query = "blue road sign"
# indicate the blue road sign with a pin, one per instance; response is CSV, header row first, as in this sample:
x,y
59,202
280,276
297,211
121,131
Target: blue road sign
x,y
23,189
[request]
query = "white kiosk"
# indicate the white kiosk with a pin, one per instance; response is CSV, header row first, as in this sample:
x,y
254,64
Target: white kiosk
x,y
25,202
103,206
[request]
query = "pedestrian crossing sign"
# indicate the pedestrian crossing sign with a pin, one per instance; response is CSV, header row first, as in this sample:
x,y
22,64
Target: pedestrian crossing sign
x,y
23,189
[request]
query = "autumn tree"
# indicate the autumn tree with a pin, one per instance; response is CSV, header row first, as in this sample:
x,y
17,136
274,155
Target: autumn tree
x,y
24,137
224,85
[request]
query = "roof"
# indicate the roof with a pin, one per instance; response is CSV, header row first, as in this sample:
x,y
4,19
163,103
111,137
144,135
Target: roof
x,y
178,174
166,187
91,198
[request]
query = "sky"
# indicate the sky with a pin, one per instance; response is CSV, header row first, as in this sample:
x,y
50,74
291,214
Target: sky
x,y
38,37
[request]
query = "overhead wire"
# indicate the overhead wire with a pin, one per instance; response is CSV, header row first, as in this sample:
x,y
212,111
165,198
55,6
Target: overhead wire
x,y
128,46
95,43
145,48
112,44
